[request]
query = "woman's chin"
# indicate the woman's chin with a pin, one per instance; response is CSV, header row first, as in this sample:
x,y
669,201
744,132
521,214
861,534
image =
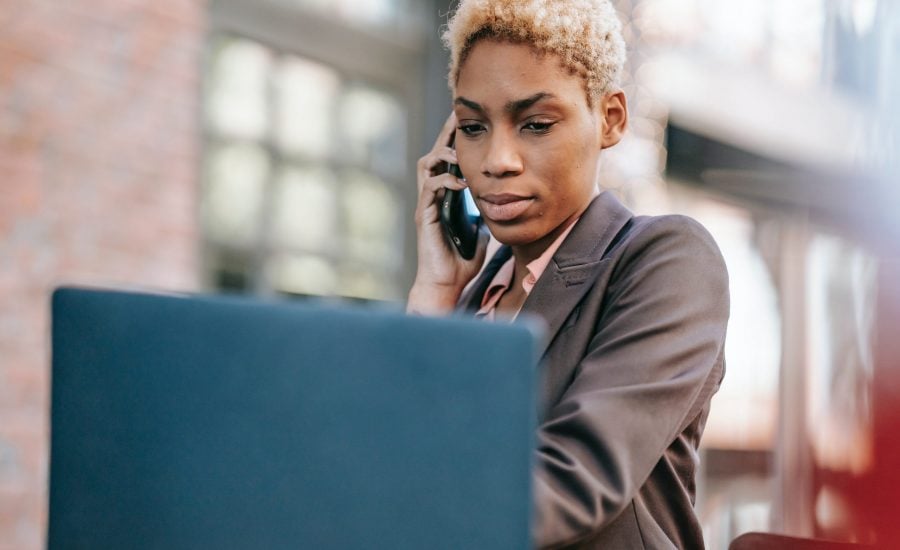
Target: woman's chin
x,y
513,234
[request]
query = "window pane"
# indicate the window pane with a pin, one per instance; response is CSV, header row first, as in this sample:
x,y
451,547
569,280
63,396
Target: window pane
x,y
305,93
358,281
236,105
301,275
373,128
235,179
306,209
370,212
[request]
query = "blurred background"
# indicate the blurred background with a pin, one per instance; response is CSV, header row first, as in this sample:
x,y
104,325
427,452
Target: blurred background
x,y
268,148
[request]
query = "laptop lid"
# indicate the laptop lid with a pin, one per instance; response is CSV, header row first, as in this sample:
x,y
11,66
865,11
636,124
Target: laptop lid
x,y
210,422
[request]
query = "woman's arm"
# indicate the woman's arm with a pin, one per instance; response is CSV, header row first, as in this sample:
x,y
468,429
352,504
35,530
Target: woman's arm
x,y
645,376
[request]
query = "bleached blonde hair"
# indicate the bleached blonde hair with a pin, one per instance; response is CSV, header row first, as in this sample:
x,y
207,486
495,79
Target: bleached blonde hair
x,y
585,34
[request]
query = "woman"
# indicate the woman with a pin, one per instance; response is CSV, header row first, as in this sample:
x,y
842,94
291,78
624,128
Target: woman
x,y
635,306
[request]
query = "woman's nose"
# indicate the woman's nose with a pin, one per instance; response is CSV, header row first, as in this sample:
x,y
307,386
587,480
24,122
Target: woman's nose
x,y
502,158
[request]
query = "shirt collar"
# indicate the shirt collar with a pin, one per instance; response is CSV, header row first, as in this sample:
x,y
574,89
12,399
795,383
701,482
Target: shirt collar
x,y
503,278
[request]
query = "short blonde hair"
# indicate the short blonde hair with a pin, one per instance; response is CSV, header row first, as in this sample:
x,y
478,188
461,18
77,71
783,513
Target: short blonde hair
x,y
585,34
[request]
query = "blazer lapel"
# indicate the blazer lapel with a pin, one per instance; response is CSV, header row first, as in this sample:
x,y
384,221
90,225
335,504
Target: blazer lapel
x,y
576,265
471,300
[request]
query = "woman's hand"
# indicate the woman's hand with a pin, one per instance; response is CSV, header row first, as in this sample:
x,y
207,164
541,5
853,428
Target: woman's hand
x,y
442,273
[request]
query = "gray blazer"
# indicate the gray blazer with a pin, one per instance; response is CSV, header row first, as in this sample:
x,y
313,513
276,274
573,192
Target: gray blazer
x,y
636,309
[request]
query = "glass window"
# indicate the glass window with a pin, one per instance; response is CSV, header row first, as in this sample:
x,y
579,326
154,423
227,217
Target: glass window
x,y
373,129
371,220
236,175
301,274
358,281
304,107
305,209
302,175
236,101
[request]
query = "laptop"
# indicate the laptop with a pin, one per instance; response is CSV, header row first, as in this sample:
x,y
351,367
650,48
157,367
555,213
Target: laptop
x,y
215,422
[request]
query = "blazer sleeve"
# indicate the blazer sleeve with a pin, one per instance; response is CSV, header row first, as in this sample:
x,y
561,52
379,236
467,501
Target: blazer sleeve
x,y
644,376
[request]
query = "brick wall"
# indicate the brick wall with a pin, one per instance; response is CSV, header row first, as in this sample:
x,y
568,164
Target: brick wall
x,y
98,185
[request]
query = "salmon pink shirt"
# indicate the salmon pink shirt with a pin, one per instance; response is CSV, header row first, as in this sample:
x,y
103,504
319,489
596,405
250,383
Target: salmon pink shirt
x,y
503,279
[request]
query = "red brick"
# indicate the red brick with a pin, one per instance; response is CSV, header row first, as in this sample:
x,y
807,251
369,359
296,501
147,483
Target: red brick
x,y
98,103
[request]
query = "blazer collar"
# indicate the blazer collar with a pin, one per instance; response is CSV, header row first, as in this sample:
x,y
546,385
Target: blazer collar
x,y
576,265
569,275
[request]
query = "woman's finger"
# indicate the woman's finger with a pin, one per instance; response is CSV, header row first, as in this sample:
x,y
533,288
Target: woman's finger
x,y
445,136
430,162
449,181
433,185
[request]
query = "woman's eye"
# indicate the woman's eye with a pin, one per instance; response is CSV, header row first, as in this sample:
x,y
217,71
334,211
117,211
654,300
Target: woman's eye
x,y
538,127
471,129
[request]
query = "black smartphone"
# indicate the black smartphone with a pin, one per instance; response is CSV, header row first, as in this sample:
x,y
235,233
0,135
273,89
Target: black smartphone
x,y
460,219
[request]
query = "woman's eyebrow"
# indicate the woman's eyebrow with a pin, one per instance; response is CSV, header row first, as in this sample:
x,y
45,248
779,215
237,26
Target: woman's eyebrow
x,y
519,105
468,103
512,107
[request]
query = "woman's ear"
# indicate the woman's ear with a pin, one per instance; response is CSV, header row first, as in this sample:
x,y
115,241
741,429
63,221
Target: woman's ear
x,y
614,110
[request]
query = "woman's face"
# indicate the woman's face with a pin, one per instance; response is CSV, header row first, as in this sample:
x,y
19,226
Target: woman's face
x,y
527,141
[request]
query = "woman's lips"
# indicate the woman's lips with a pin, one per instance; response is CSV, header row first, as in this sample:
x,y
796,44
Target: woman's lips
x,y
503,207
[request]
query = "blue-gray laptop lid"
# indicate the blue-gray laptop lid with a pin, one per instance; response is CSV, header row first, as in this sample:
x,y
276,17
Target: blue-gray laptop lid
x,y
203,422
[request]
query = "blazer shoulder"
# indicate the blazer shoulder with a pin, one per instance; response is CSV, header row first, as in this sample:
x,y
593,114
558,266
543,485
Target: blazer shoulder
x,y
671,225
675,244
667,231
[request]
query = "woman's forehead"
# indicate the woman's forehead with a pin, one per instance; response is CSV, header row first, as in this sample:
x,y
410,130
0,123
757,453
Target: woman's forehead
x,y
496,74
